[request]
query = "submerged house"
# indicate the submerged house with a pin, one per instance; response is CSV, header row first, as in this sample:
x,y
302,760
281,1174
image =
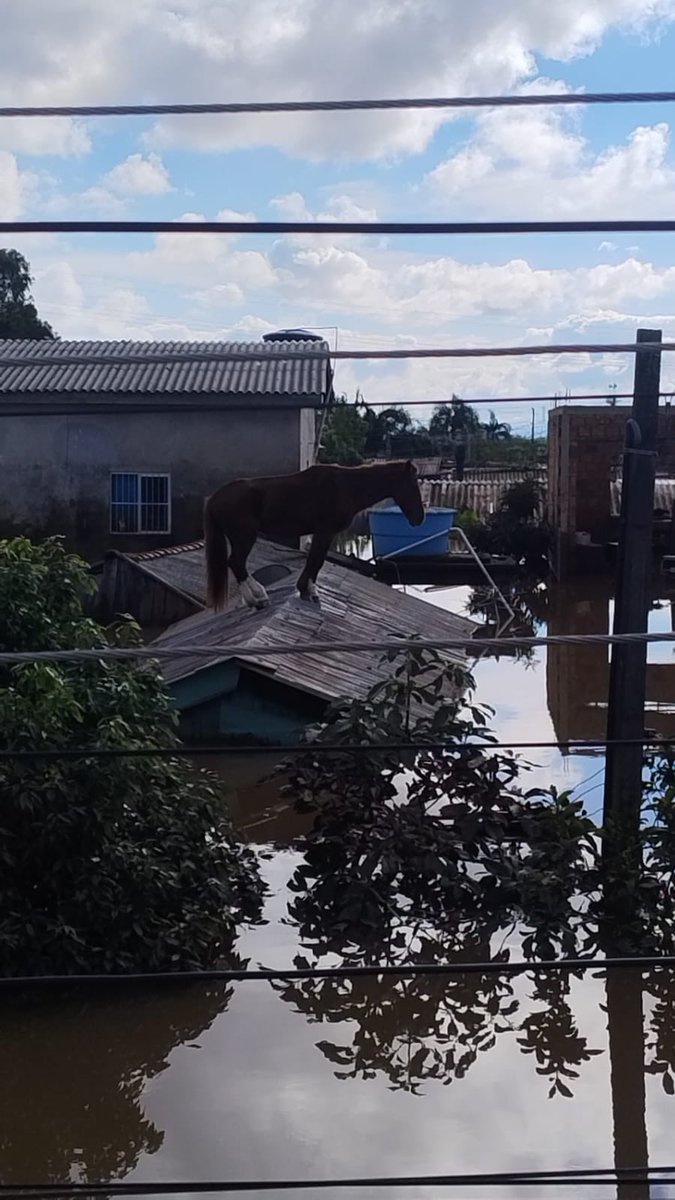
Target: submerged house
x,y
266,696
116,444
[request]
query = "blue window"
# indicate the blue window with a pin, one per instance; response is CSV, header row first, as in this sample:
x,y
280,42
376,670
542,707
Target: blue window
x,y
140,503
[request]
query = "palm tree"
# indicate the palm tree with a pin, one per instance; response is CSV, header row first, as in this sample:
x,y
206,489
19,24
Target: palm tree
x,y
496,431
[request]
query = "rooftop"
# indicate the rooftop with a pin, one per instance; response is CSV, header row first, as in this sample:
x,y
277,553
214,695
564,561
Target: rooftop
x,y
352,608
98,370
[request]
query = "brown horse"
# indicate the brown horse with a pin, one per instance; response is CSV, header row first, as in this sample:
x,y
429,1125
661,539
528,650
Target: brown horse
x,y
321,501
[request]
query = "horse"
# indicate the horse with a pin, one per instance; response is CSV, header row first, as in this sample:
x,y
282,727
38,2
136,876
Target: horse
x,y
321,501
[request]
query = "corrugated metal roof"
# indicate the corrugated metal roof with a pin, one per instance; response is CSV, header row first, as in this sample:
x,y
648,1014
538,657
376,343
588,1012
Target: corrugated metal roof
x,y
270,374
664,496
352,608
481,496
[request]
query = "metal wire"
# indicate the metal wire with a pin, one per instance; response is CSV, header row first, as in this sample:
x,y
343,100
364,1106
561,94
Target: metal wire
x,y
320,748
565,1177
528,100
666,225
164,359
468,401
219,651
398,971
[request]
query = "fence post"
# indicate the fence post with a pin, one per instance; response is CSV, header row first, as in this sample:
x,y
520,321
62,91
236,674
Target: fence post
x,y
628,670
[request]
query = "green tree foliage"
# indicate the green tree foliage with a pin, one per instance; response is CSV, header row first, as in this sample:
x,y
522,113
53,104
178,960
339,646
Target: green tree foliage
x,y
345,434
106,864
427,856
387,424
18,314
456,419
517,528
496,431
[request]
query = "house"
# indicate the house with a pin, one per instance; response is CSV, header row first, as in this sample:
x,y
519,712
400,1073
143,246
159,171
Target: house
x,y
116,444
266,696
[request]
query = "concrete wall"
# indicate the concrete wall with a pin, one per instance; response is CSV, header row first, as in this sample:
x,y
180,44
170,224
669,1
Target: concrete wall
x,y
584,444
55,469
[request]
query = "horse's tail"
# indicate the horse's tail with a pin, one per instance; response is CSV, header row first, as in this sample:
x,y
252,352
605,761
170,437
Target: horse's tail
x,y
216,552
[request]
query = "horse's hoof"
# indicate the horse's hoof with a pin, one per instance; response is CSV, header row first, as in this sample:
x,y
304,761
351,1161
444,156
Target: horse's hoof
x,y
310,597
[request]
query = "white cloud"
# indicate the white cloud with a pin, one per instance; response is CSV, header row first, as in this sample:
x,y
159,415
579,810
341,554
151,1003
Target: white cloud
x,y
340,207
193,286
138,176
16,187
537,163
59,137
77,51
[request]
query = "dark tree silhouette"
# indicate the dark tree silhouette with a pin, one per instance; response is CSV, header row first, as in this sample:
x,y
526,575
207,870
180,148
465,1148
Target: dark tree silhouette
x,y
18,314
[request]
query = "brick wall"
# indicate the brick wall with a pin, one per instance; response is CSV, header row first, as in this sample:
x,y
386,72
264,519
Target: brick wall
x,y
584,444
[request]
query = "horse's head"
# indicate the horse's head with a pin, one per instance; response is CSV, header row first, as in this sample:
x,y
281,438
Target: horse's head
x,y
406,493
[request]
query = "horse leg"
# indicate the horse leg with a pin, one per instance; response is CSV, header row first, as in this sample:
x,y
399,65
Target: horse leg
x,y
241,543
315,560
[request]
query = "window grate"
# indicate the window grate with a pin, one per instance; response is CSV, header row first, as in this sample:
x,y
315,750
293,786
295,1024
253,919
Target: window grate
x,y
140,503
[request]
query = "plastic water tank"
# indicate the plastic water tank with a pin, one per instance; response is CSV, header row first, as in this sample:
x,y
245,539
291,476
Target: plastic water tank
x,y
392,533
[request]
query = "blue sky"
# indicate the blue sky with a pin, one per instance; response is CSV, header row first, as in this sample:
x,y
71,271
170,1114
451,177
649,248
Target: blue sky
x,y
614,161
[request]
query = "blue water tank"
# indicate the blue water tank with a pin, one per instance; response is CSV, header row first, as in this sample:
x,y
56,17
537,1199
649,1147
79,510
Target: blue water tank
x,y
392,533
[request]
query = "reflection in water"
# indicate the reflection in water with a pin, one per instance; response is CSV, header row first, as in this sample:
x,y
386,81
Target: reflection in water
x,y
428,1027
282,1068
550,1033
578,675
73,1074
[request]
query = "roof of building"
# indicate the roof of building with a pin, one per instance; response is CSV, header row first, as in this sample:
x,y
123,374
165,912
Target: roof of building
x,y
352,608
664,496
183,566
98,369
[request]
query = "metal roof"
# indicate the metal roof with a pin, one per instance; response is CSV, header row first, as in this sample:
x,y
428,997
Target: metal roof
x,y
664,495
351,607
267,373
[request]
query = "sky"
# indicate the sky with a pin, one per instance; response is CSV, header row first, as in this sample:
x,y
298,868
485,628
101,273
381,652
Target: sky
x,y
512,164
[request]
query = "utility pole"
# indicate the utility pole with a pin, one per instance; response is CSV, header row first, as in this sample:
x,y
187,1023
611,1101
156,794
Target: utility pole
x,y
628,670
625,1027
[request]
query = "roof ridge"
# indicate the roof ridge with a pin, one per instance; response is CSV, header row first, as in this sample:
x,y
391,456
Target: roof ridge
x,y
164,551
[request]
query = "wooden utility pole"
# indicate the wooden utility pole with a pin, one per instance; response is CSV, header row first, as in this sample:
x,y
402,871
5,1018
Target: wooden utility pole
x,y
628,670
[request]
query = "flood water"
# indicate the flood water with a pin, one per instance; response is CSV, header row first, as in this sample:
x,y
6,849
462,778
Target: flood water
x,y
330,1079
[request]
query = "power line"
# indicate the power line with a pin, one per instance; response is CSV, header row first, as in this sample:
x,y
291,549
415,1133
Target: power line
x,y
224,650
167,359
374,970
527,100
471,400
122,404
585,1176
321,748
368,228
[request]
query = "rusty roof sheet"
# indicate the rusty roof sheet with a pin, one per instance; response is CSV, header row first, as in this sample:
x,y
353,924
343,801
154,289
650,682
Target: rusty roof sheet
x,y
270,374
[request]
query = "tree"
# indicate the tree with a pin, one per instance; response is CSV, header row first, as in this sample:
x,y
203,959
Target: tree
x,y
107,863
345,433
497,431
454,419
389,423
18,314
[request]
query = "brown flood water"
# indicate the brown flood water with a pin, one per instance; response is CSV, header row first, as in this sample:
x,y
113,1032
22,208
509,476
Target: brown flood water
x,y
330,1080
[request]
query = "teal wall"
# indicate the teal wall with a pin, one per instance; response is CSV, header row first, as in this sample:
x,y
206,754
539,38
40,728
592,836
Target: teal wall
x,y
228,701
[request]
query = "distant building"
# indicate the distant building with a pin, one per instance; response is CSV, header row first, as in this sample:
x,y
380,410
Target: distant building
x,y
585,446
117,454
